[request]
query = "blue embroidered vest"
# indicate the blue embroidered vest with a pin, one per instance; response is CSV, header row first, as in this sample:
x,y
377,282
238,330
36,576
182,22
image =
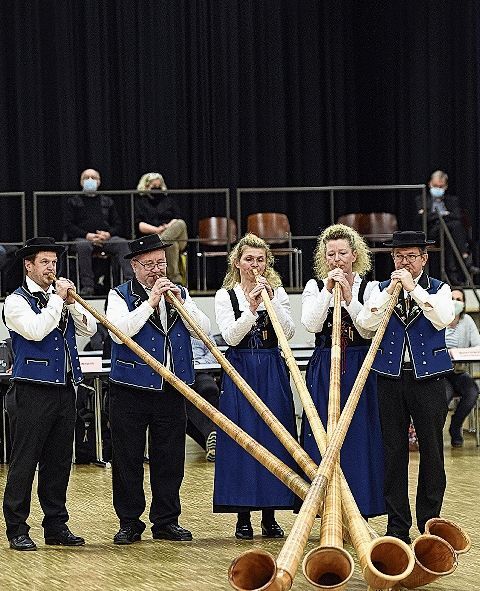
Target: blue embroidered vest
x,y
128,369
426,344
45,361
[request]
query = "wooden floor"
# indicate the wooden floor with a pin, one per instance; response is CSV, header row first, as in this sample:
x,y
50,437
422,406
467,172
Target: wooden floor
x,y
200,565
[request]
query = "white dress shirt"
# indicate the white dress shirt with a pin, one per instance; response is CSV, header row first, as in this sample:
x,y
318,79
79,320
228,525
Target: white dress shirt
x,y
130,322
315,305
20,317
437,307
233,331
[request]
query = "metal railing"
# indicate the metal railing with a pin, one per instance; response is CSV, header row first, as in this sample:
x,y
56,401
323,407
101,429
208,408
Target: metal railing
x,y
132,194
331,190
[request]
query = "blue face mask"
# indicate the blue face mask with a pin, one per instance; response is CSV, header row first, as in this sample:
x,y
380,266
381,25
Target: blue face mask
x,y
437,192
90,185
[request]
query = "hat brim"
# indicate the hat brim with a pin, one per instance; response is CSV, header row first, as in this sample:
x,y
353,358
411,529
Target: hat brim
x,y
132,255
407,244
26,251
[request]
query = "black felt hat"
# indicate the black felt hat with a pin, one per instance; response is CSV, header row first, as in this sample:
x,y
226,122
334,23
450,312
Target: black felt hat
x,y
408,238
145,244
39,244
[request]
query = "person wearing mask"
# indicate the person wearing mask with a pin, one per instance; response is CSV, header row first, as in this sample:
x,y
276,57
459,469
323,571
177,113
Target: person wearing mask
x,y
342,257
446,205
461,333
199,427
158,213
242,484
93,223
411,363
43,322
140,398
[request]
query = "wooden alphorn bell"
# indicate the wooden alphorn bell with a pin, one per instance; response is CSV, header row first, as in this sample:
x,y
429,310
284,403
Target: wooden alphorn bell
x,y
258,570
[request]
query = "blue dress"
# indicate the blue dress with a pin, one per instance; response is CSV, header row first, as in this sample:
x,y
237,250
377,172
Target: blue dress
x,y
242,483
361,456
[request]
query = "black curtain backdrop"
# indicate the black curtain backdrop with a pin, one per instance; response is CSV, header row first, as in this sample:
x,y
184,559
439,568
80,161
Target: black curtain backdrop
x,y
228,93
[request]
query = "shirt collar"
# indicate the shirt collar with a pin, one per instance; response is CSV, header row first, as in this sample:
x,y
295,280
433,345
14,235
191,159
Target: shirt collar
x,y
32,286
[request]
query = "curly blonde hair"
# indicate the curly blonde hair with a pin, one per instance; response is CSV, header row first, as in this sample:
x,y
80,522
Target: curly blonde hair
x,y
147,178
362,265
233,273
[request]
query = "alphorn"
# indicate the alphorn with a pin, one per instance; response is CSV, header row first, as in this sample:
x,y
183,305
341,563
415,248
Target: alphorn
x,y
381,561
330,566
255,570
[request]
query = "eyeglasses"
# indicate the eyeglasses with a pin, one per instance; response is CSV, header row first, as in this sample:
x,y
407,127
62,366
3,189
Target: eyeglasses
x,y
150,266
411,258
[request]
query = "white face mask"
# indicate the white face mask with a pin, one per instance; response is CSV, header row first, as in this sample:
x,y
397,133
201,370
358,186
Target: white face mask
x,y
459,306
90,184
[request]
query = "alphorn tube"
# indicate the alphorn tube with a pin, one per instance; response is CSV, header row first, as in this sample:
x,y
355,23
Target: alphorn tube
x,y
283,472
330,566
383,562
282,571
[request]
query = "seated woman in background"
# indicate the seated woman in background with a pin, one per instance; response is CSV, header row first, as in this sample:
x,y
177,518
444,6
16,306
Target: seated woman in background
x,y
158,213
461,333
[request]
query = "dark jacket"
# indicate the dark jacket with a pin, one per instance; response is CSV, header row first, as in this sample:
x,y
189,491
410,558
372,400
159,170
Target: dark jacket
x,y
451,203
87,213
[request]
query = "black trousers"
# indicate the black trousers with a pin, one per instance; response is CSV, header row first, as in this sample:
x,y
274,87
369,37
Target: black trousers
x,y
199,426
463,385
132,410
42,421
116,246
424,401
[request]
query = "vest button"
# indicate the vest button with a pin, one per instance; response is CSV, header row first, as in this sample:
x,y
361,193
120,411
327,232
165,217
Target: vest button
x,y
424,363
153,349
180,348
153,338
390,362
151,385
392,342
390,352
57,380
423,344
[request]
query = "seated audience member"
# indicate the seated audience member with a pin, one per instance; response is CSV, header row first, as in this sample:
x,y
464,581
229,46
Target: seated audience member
x,y
92,221
461,333
439,202
199,427
158,213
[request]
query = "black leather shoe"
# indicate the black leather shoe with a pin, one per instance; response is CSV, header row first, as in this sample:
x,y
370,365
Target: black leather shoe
x,y
174,532
126,536
22,542
64,538
244,531
272,530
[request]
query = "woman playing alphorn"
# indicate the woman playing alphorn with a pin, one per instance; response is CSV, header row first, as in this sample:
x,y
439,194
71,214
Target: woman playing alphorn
x,y
241,483
342,256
